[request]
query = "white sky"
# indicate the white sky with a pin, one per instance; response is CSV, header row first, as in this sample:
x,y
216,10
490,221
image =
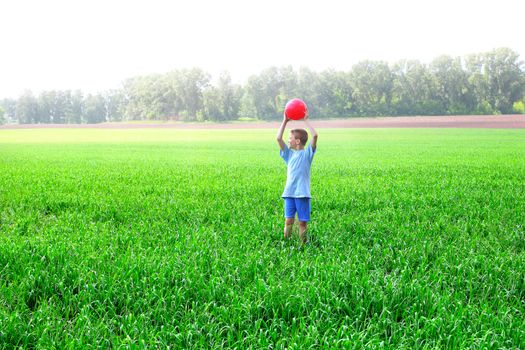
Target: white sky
x,y
94,45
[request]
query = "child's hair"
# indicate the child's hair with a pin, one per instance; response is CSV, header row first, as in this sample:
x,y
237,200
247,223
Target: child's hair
x,y
300,134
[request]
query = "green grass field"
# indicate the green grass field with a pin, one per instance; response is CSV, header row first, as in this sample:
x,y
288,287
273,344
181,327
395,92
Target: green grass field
x,y
164,237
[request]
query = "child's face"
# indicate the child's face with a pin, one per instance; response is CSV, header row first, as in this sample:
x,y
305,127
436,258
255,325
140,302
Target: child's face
x,y
293,143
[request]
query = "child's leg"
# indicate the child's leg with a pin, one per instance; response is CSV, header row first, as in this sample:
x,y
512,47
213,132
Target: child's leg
x,y
303,213
288,224
289,215
303,229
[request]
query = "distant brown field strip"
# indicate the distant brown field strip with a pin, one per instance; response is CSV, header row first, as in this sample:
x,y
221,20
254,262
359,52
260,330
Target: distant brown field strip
x,y
499,122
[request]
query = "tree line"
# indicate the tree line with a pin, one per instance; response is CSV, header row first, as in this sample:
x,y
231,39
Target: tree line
x,y
485,83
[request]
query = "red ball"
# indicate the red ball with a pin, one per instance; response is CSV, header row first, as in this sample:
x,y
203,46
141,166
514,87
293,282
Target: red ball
x,y
295,109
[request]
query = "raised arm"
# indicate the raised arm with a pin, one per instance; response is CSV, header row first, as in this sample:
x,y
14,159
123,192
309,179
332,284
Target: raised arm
x,y
312,131
281,132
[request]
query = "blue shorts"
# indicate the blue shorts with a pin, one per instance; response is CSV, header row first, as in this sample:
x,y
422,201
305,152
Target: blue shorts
x,y
301,206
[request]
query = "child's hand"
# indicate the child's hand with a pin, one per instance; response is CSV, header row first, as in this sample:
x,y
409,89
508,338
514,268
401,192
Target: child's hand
x,y
285,118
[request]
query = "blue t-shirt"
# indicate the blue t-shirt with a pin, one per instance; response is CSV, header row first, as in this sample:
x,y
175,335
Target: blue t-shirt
x,y
298,174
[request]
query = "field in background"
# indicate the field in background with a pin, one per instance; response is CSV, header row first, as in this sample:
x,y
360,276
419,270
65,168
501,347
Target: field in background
x,y
513,121
174,237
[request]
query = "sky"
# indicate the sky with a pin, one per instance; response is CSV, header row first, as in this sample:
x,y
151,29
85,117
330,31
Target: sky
x,y
94,45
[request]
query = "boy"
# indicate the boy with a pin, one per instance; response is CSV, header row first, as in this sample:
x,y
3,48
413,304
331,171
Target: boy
x,y
298,159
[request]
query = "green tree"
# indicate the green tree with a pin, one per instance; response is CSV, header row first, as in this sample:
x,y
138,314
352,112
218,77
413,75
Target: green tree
x,y
519,106
188,85
255,95
213,106
52,107
372,84
451,87
288,83
75,109
46,101
222,102
230,97
506,78
27,108
146,97
61,107
247,105
3,118
114,100
414,90
271,89
479,83
66,105
134,101
94,109
497,79
335,94
308,86
9,106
